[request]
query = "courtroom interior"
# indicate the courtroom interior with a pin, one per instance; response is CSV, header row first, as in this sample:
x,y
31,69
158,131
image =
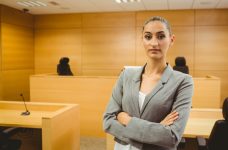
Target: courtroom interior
x,y
97,38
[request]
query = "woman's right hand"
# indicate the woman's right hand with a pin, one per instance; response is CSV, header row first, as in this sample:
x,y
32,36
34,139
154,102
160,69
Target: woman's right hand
x,y
170,118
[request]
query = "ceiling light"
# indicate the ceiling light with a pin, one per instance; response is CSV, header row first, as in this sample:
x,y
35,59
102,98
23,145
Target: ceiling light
x,y
41,3
31,3
127,1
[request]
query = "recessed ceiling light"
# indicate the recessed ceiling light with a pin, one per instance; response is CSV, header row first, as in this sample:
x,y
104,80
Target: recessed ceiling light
x,y
127,1
30,3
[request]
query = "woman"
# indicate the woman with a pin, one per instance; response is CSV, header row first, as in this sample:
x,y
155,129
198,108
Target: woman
x,y
149,106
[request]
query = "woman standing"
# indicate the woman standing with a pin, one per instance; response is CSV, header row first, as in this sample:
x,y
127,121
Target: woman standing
x,y
149,106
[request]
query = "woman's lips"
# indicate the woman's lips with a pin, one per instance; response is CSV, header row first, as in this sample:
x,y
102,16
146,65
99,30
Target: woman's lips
x,y
154,50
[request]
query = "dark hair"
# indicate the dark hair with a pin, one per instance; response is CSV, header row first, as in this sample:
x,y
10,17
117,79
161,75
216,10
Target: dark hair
x,y
225,109
162,20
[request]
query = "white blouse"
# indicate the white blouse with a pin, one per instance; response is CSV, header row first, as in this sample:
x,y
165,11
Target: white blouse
x,y
130,147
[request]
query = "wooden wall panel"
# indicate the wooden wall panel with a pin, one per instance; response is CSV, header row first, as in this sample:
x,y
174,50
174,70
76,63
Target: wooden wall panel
x,y
223,78
175,17
52,44
183,45
108,48
91,93
14,83
140,51
1,13
111,40
58,21
17,47
16,17
211,48
17,53
92,20
102,72
0,46
211,17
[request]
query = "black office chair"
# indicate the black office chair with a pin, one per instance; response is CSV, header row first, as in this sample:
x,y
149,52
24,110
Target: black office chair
x,y
63,68
180,65
218,139
6,143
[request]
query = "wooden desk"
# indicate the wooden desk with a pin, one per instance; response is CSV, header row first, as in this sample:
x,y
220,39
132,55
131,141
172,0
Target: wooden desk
x,y
200,123
92,93
207,92
59,122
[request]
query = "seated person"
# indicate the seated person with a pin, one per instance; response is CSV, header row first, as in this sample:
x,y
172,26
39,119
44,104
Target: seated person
x,y
63,68
180,65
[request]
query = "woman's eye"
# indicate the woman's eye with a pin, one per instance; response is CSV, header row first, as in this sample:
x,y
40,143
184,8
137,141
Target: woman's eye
x,y
160,37
148,37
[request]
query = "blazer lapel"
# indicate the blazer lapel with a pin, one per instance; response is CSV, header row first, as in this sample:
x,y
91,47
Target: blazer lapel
x,y
164,79
135,89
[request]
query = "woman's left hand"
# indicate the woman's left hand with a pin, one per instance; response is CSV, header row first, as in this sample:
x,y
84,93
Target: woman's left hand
x,y
123,118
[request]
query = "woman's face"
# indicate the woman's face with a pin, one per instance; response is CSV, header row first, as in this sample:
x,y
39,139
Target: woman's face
x,y
156,40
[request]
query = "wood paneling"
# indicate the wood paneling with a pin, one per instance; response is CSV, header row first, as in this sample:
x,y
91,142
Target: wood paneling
x,y
108,48
59,127
109,19
1,13
16,17
97,72
207,92
140,51
175,17
14,83
223,77
52,44
0,52
108,41
91,93
65,136
211,17
183,45
17,47
58,21
211,48
17,53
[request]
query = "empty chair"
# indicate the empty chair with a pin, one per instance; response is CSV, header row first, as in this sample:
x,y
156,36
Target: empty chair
x,y
218,139
180,65
6,143
63,68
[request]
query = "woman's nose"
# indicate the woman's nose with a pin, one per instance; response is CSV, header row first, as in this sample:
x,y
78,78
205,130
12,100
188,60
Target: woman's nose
x,y
154,41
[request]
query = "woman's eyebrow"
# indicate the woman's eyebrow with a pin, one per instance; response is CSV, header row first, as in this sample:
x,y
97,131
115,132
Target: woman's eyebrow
x,y
147,32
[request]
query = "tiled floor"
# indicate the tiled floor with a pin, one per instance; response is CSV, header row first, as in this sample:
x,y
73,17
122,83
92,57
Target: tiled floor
x,y
91,143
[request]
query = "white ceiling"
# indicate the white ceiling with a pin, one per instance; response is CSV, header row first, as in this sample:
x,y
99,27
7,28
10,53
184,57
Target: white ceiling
x,y
77,6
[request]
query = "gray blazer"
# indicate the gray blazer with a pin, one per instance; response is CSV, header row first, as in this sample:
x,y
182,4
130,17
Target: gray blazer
x,y
173,92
